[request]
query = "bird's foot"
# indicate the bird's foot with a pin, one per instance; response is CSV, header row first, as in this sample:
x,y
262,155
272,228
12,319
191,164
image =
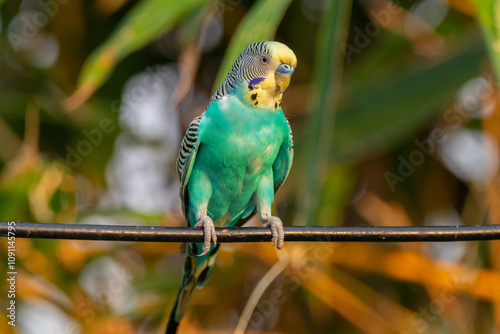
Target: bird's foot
x,y
207,224
276,226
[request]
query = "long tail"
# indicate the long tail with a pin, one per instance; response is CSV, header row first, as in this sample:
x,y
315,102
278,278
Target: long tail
x,y
196,273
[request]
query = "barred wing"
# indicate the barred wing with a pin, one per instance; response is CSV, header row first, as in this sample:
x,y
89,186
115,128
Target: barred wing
x,y
187,156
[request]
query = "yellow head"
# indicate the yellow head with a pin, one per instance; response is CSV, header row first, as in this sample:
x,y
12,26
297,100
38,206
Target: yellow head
x,y
260,74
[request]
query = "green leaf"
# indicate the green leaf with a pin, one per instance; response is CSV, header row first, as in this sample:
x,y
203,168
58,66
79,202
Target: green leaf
x,y
338,186
488,14
260,23
143,24
324,96
380,117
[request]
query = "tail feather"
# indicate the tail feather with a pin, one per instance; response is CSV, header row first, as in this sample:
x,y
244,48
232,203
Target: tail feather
x,y
196,273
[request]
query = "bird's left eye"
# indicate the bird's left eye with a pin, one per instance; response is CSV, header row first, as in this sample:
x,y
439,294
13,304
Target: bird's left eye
x,y
263,59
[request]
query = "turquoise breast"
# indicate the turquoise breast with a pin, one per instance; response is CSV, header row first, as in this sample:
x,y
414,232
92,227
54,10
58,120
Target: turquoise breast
x,y
238,146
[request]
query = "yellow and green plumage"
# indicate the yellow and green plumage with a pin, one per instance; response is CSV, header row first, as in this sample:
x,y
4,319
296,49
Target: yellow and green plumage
x,y
234,157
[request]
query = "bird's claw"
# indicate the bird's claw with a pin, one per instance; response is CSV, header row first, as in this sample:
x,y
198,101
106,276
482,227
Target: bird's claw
x,y
276,226
209,235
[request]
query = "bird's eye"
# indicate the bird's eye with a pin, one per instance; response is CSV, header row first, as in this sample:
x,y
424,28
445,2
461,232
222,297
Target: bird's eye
x,y
263,59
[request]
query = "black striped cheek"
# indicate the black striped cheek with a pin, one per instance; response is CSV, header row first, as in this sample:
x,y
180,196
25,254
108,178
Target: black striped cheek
x,y
254,98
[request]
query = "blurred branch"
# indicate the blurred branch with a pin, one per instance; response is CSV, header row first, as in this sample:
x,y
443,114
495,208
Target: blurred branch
x,y
194,34
28,152
259,290
249,234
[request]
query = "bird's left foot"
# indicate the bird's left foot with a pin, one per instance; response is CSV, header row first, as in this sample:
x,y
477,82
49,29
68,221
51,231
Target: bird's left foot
x,y
276,226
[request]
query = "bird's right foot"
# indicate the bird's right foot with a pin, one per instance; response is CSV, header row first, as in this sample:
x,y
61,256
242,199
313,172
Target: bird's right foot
x,y
209,235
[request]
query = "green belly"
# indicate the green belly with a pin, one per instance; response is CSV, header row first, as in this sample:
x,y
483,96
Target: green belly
x,y
234,173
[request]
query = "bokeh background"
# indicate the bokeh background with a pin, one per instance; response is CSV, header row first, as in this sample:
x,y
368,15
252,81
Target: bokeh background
x,y
396,117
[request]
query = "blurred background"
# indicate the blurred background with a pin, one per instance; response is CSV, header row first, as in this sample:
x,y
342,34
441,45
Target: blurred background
x,y
396,118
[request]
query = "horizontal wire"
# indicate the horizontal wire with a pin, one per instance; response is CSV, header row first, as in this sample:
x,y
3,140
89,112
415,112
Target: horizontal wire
x,y
248,234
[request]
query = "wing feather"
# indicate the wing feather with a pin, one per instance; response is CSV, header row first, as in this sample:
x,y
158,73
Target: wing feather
x,y
283,162
187,156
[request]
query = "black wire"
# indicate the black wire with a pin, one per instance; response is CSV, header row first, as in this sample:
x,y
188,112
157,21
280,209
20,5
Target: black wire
x,y
248,234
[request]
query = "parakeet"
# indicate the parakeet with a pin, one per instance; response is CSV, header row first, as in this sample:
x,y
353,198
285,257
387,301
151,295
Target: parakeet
x,y
234,157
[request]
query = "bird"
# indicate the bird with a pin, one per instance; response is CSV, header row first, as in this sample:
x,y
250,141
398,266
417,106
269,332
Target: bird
x,y
233,158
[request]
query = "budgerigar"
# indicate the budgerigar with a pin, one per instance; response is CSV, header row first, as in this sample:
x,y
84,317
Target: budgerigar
x,y
234,157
